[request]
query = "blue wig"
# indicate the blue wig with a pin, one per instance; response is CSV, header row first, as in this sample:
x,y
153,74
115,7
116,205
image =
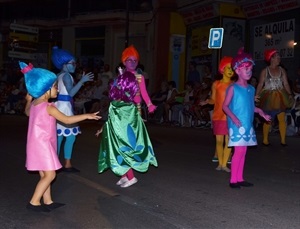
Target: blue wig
x,y
37,80
60,57
124,88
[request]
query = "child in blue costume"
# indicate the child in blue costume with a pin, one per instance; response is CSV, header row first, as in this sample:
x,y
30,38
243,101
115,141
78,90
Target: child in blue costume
x,y
65,61
239,108
125,144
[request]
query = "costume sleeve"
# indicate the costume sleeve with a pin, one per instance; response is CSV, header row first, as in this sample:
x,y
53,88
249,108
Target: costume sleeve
x,y
68,82
145,95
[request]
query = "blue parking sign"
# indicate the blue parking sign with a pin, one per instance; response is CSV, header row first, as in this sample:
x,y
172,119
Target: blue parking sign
x,y
215,38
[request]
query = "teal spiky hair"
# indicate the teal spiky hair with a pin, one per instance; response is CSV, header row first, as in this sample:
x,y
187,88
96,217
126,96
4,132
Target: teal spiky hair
x,y
37,80
60,57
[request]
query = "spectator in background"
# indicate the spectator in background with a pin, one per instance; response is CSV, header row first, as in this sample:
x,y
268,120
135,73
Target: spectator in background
x,y
207,72
3,75
158,100
296,84
202,113
145,74
193,74
106,75
96,95
172,92
187,100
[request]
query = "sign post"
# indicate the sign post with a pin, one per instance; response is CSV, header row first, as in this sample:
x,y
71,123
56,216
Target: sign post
x,y
215,38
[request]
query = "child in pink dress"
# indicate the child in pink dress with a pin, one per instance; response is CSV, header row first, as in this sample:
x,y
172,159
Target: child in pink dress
x,y
41,149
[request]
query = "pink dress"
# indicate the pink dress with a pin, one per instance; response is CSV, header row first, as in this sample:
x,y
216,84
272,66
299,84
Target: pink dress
x,y
41,149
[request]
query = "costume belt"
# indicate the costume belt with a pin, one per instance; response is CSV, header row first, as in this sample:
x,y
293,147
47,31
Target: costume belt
x,y
65,98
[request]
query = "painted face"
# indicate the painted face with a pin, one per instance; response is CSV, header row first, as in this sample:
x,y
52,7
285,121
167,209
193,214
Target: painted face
x,y
130,63
71,66
276,58
245,70
228,72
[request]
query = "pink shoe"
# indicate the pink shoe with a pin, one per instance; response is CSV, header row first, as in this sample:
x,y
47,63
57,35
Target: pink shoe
x,y
122,181
129,183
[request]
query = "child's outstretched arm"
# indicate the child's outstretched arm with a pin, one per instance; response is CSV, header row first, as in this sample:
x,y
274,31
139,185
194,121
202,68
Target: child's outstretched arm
x,y
53,111
226,108
262,114
28,103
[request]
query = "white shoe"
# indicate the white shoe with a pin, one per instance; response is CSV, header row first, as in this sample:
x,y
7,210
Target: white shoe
x,y
219,168
122,181
129,183
226,169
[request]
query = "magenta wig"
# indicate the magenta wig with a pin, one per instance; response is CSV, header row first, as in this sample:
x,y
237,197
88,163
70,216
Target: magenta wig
x,y
241,58
124,87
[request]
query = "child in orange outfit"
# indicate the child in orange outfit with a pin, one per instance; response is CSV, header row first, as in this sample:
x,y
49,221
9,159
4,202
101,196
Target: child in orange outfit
x,y
219,122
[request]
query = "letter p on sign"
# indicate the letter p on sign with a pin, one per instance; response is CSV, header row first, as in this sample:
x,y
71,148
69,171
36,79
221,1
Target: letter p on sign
x,y
215,38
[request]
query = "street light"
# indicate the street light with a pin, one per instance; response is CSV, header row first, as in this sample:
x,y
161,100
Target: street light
x,y
127,24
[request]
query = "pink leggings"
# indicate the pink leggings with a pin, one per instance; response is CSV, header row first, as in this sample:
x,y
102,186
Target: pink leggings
x,y
129,174
237,164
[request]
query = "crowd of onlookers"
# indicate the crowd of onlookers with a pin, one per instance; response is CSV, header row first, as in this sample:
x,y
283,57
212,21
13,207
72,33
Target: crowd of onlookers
x,y
12,91
174,107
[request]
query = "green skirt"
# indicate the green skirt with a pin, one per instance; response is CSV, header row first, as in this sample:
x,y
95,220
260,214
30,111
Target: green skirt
x,y
125,142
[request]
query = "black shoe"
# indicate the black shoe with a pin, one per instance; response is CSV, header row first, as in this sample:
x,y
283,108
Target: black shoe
x,y
266,144
245,184
283,144
234,185
37,208
54,206
70,170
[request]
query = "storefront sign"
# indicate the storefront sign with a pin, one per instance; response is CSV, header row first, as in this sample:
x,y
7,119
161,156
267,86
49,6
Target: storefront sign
x,y
199,41
21,55
199,14
24,28
279,35
23,37
263,8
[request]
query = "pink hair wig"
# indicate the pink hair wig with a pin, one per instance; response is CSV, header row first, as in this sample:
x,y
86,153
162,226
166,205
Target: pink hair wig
x,y
241,58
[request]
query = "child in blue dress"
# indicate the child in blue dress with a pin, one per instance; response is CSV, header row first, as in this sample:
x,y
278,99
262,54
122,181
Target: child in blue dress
x,y
239,108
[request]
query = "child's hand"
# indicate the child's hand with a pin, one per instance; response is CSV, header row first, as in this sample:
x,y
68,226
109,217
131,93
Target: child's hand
x,y
202,103
266,117
151,108
256,98
98,132
87,77
94,116
236,121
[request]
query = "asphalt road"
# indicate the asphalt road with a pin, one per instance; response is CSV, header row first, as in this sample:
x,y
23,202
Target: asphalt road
x,y
185,191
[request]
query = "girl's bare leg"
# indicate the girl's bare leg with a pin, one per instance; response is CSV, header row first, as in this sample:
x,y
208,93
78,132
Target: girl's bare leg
x,y
43,188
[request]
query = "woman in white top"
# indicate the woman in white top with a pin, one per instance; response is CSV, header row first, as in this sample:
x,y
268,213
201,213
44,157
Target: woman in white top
x,y
274,94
